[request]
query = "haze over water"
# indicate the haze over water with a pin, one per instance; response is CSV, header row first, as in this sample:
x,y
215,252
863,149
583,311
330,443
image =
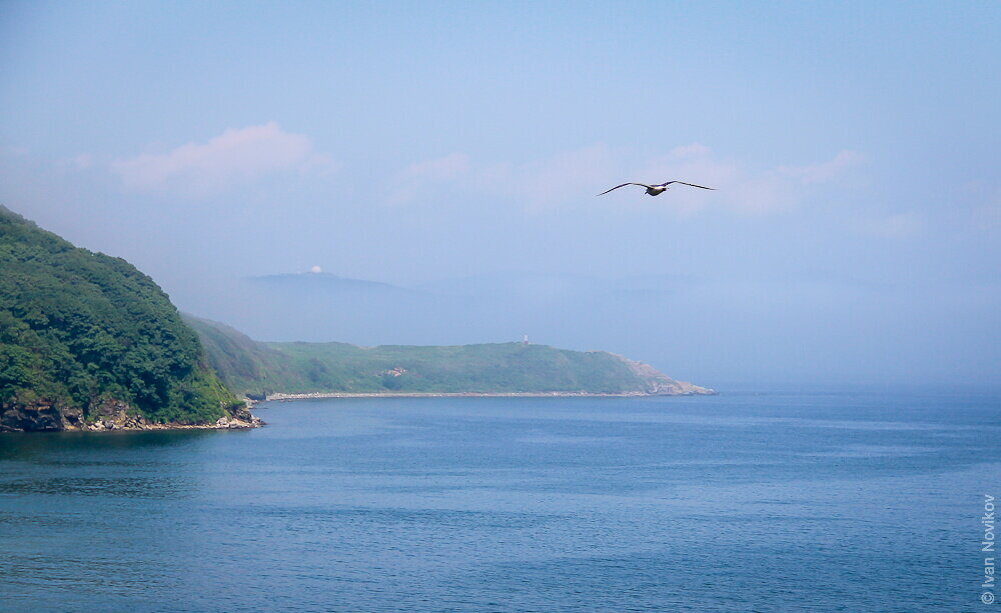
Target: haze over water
x,y
859,500
854,234
451,152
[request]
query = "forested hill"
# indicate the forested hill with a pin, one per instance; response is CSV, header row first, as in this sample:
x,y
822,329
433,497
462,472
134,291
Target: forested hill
x,y
85,338
258,369
89,342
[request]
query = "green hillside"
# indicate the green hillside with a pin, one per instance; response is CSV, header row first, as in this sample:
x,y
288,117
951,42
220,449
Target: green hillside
x,y
84,334
257,369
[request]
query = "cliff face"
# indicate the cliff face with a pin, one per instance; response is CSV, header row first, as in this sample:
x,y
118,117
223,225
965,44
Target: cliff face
x,y
38,416
85,337
659,384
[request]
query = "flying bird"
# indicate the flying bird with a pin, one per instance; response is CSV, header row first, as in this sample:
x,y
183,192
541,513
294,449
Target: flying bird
x,y
655,190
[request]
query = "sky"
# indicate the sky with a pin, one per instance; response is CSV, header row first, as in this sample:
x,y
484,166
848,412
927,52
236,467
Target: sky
x,y
854,233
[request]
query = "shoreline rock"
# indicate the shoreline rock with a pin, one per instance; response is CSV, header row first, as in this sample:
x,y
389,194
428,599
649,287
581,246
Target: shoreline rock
x,y
111,416
132,423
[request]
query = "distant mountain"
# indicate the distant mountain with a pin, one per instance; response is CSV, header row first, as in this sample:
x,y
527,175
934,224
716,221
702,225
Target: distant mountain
x,y
89,342
320,282
632,315
246,366
259,369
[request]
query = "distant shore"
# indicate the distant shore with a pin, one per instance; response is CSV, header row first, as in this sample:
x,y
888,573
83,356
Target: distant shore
x,y
282,397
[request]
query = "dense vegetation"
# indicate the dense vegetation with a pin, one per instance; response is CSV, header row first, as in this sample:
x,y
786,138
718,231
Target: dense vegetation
x,y
80,330
255,368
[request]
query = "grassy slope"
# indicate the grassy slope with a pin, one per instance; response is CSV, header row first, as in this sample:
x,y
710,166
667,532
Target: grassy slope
x,y
80,329
255,368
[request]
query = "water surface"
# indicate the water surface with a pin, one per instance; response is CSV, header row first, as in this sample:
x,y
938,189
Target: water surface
x,y
846,501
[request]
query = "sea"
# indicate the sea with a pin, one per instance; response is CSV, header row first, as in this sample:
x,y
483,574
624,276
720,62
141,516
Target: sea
x,y
755,500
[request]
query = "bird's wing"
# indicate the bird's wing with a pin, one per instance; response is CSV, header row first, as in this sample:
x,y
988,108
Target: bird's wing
x,y
623,185
683,183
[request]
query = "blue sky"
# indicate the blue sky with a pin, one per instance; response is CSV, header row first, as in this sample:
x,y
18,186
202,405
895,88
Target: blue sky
x,y
855,149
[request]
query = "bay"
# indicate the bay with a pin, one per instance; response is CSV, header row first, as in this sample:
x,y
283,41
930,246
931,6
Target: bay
x,y
757,500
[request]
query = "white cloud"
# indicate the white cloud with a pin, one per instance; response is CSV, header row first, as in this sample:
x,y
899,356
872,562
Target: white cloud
x,y
739,187
555,180
236,156
825,171
408,184
536,184
445,167
12,151
692,163
574,175
899,225
80,162
768,192
695,150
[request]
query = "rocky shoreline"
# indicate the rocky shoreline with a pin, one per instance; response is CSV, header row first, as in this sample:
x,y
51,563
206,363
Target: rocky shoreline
x,y
110,416
141,423
115,416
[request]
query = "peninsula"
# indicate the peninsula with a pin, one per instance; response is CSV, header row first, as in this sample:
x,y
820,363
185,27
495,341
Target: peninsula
x,y
277,371
88,342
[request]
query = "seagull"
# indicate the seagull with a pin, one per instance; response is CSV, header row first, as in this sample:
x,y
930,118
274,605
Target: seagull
x,y
655,190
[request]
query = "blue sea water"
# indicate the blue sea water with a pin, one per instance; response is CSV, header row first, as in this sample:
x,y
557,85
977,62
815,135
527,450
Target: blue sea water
x,y
856,501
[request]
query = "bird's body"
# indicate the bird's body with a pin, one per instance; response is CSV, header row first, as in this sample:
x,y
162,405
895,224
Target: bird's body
x,y
655,190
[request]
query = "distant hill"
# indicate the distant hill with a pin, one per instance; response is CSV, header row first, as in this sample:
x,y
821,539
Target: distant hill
x,y
258,369
636,315
320,282
87,342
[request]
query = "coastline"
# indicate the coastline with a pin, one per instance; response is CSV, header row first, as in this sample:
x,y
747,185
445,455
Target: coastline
x,y
141,424
46,418
116,418
285,397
